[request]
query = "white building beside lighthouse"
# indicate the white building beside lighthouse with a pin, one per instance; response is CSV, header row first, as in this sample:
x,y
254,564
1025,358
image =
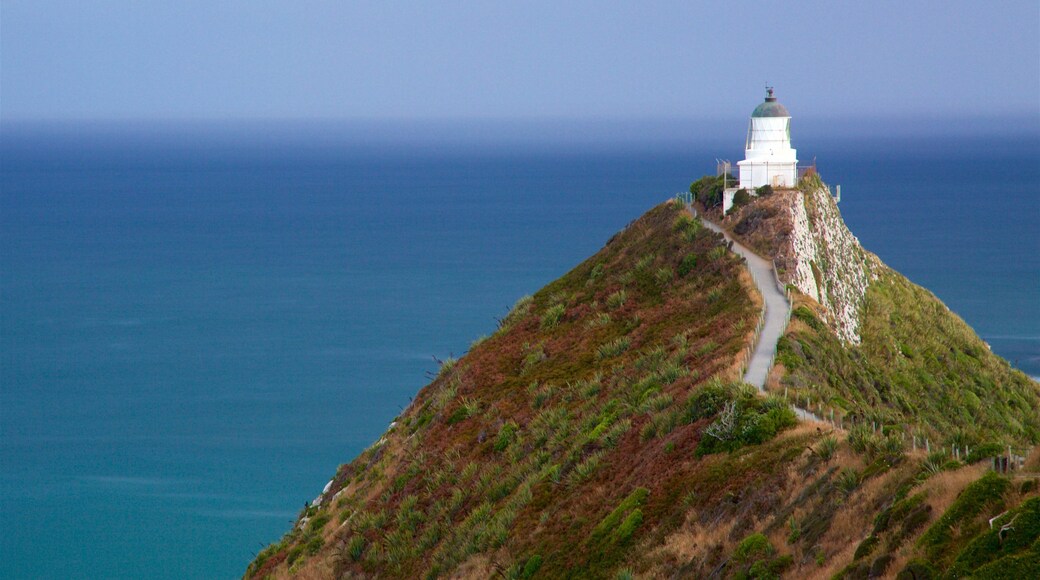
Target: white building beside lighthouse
x,y
768,156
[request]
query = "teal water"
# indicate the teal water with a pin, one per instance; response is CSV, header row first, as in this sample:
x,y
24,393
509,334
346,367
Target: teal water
x,y
197,327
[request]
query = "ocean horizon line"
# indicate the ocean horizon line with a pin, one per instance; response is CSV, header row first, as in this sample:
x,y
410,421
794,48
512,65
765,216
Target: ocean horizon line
x,y
485,129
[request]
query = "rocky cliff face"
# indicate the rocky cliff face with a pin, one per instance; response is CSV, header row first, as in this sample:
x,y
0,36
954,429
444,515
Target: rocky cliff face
x,y
825,261
813,250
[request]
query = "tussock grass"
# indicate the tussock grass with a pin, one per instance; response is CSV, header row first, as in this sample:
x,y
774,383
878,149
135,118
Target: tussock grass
x,y
551,317
617,299
613,348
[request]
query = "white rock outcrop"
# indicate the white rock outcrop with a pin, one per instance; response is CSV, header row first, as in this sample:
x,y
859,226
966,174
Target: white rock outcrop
x,y
826,262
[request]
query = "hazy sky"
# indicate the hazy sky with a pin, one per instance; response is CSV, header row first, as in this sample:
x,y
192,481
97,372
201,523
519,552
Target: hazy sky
x,y
75,59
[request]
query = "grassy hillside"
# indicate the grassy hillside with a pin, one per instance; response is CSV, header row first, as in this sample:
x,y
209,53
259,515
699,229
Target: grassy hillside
x,y
600,433
918,365
918,368
576,413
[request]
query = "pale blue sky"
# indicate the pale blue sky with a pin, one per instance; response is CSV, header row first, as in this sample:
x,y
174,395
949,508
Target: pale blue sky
x,y
81,59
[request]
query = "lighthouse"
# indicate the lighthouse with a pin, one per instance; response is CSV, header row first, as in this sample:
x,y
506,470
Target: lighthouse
x,y
768,156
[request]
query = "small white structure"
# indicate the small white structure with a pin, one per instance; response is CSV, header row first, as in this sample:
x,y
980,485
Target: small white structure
x,y
768,157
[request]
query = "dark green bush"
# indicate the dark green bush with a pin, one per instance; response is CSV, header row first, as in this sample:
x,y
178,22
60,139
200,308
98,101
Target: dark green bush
x,y
315,544
753,547
988,490
689,262
741,418
531,566
709,400
918,570
984,451
628,527
294,554
866,547
805,315
881,563
757,559
708,189
613,521
741,198
994,545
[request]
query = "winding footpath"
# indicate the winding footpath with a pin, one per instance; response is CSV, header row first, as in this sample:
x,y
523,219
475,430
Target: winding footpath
x,y
777,314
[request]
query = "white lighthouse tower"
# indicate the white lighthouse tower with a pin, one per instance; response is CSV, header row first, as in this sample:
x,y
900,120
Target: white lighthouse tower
x,y
768,157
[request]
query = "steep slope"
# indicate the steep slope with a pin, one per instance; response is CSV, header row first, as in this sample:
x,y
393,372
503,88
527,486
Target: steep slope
x,y
813,250
599,433
576,403
868,345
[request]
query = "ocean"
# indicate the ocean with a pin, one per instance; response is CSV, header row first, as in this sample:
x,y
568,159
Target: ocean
x,y
199,323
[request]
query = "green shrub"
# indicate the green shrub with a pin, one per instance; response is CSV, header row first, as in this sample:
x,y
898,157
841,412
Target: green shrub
x,y
314,544
628,527
709,399
995,545
615,519
765,190
866,547
757,559
531,566
753,547
745,420
317,523
688,263
615,433
740,199
1019,567
533,356
985,451
294,554
918,570
687,227
880,565
708,189
987,491
861,438
805,315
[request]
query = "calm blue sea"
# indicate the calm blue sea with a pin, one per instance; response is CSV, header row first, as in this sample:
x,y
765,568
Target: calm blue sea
x,y
198,324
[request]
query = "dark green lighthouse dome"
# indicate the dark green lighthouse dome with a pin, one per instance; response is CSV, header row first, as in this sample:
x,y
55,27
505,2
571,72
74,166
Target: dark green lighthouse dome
x,y
770,108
